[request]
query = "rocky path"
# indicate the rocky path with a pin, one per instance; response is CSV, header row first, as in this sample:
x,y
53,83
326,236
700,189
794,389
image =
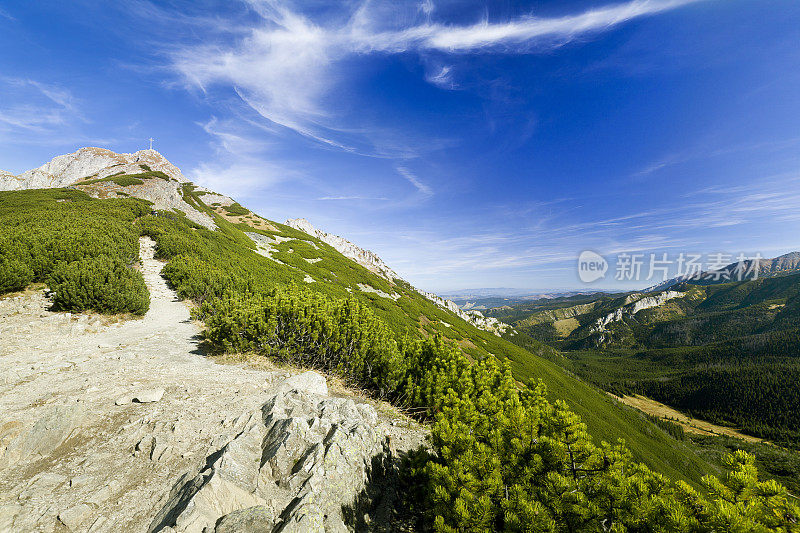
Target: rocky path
x,y
117,428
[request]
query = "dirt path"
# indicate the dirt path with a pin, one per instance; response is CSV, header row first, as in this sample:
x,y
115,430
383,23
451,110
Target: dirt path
x,y
78,452
99,423
72,441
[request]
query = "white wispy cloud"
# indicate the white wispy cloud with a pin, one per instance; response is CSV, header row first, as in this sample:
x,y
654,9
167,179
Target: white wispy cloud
x,y
412,178
286,65
354,197
35,110
242,180
443,78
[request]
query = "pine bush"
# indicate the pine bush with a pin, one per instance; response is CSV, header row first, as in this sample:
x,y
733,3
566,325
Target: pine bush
x,y
14,275
100,283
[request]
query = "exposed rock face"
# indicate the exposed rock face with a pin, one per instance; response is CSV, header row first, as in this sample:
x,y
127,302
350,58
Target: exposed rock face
x,y
365,258
372,262
295,463
79,168
165,195
95,162
634,304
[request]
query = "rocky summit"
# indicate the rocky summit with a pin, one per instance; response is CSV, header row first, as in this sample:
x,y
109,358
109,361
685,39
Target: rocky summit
x,y
87,163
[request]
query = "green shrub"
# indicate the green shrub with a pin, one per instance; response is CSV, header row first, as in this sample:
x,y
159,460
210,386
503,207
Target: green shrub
x,y
126,181
502,458
100,283
305,328
14,275
41,230
236,210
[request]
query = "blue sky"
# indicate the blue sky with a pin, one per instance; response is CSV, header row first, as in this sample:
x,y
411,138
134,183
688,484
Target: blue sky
x,y
470,144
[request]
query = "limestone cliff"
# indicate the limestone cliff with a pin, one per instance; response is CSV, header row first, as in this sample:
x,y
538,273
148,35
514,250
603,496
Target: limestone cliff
x,y
635,303
365,258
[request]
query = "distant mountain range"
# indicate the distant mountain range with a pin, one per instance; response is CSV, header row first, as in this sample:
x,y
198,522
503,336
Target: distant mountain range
x,y
749,269
505,292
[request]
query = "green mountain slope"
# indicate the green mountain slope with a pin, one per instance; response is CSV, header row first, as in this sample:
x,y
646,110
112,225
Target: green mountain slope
x,y
202,262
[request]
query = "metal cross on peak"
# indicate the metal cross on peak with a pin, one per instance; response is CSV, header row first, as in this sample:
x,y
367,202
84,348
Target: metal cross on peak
x,y
151,142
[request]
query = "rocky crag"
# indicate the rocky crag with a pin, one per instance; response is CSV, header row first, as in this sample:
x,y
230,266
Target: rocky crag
x,y
633,304
87,169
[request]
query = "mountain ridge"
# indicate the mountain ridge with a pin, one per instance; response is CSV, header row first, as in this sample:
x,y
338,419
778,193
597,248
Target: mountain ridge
x,y
371,261
154,178
762,267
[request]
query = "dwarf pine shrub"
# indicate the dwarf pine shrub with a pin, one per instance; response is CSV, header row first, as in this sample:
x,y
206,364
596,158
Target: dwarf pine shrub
x,y
14,275
78,245
100,283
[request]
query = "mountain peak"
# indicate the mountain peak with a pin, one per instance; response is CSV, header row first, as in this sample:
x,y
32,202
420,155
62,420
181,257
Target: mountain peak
x,y
88,162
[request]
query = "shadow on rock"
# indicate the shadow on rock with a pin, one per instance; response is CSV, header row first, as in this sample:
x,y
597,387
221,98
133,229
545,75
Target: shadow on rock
x,y
392,499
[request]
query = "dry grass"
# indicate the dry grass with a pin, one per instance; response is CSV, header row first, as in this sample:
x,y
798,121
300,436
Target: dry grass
x,y
30,290
252,220
466,343
691,425
565,326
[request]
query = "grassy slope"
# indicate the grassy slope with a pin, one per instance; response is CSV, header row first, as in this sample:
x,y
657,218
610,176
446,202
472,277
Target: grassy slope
x,y
413,314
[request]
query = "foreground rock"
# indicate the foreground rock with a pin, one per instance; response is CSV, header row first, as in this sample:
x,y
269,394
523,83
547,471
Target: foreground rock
x,y
293,466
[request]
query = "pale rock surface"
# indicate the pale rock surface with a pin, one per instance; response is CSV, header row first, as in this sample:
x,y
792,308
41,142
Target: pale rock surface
x,y
474,317
369,288
633,304
298,460
66,169
93,163
165,195
222,439
365,258
149,396
310,382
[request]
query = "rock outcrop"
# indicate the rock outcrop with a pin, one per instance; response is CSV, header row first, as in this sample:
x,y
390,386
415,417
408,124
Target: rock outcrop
x,y
372,262
634,303
82,168
365,258
293,466
85,163
474,317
